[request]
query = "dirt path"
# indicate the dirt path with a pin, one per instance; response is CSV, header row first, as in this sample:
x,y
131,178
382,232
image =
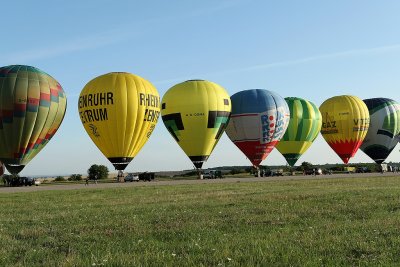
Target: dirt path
x,y
184,182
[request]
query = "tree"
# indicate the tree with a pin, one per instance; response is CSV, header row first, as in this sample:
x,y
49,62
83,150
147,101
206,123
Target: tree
x,y
59,179
75,177
97,172
306,165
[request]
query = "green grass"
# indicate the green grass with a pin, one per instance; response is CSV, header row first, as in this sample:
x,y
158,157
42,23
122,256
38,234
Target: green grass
x,y
333,222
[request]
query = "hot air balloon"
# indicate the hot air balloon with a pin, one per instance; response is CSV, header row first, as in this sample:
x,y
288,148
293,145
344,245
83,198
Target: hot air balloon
x,y
258,121
384,128
345,122
32,107
196,113
304,126
119,111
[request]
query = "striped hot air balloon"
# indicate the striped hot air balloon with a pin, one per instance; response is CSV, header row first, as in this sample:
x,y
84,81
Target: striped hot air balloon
x,y
258,121
345,122
384,130
304,126
32,107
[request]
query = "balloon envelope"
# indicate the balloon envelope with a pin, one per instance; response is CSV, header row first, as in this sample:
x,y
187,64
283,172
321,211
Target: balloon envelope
x,y
345,122
32,107
384,129
304,126
258,121
119,111
196,113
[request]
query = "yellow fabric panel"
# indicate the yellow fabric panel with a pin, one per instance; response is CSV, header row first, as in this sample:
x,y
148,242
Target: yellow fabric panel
x,y
193,100
294,147
121,114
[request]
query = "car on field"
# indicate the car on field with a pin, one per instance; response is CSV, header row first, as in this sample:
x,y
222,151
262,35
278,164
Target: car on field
x,y
26,181
131,177
277,172
313,171
363,170
147,176
212,174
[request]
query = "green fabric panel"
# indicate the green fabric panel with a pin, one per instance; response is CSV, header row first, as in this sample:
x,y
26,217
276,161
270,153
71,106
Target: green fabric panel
x,y
289,101
391,122
297,119
315,128
383,105
306,115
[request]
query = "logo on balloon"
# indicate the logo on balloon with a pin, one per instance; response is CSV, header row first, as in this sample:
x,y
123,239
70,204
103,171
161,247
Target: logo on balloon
x,y
269,128
329,126
361,125
93,129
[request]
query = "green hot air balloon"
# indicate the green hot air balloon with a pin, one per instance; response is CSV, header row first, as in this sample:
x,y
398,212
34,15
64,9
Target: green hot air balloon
x,y
32,107
304,125
384,129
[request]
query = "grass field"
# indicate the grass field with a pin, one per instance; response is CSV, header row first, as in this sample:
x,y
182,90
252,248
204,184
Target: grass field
x,y
334,222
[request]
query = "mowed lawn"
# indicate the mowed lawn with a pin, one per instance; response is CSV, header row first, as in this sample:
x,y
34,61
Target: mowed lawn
x,y
332,222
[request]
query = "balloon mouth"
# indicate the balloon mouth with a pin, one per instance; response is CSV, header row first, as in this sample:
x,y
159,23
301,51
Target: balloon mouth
x,y
14,168
346,160
198,161
120,163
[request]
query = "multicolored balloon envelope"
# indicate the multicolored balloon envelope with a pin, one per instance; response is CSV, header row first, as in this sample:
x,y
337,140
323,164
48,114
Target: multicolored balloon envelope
x,y
345,122
258,121
119,111
304,126
32,107
196,113
384,129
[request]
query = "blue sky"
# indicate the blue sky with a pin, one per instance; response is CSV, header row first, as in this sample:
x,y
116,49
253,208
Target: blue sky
x,y
309,49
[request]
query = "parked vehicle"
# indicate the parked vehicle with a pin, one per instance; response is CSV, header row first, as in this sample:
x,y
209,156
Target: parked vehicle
x,y
131,178
146,176
313,171
277,172
26,181
349,169
363,170
212,174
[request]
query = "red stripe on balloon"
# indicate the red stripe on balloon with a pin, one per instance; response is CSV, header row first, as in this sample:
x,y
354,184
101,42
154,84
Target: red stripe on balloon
x,y
255,151
345,149
20,107
44,96
53,92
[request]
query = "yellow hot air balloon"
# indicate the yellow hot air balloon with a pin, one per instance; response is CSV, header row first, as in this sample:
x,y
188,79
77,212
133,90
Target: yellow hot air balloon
x,y
196,113
345,122
119,111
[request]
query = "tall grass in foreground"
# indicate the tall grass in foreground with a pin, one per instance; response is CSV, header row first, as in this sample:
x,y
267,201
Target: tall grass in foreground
x,y
333,222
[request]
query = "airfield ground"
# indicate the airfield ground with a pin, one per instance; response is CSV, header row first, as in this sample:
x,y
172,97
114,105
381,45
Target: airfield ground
x,y
183,181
